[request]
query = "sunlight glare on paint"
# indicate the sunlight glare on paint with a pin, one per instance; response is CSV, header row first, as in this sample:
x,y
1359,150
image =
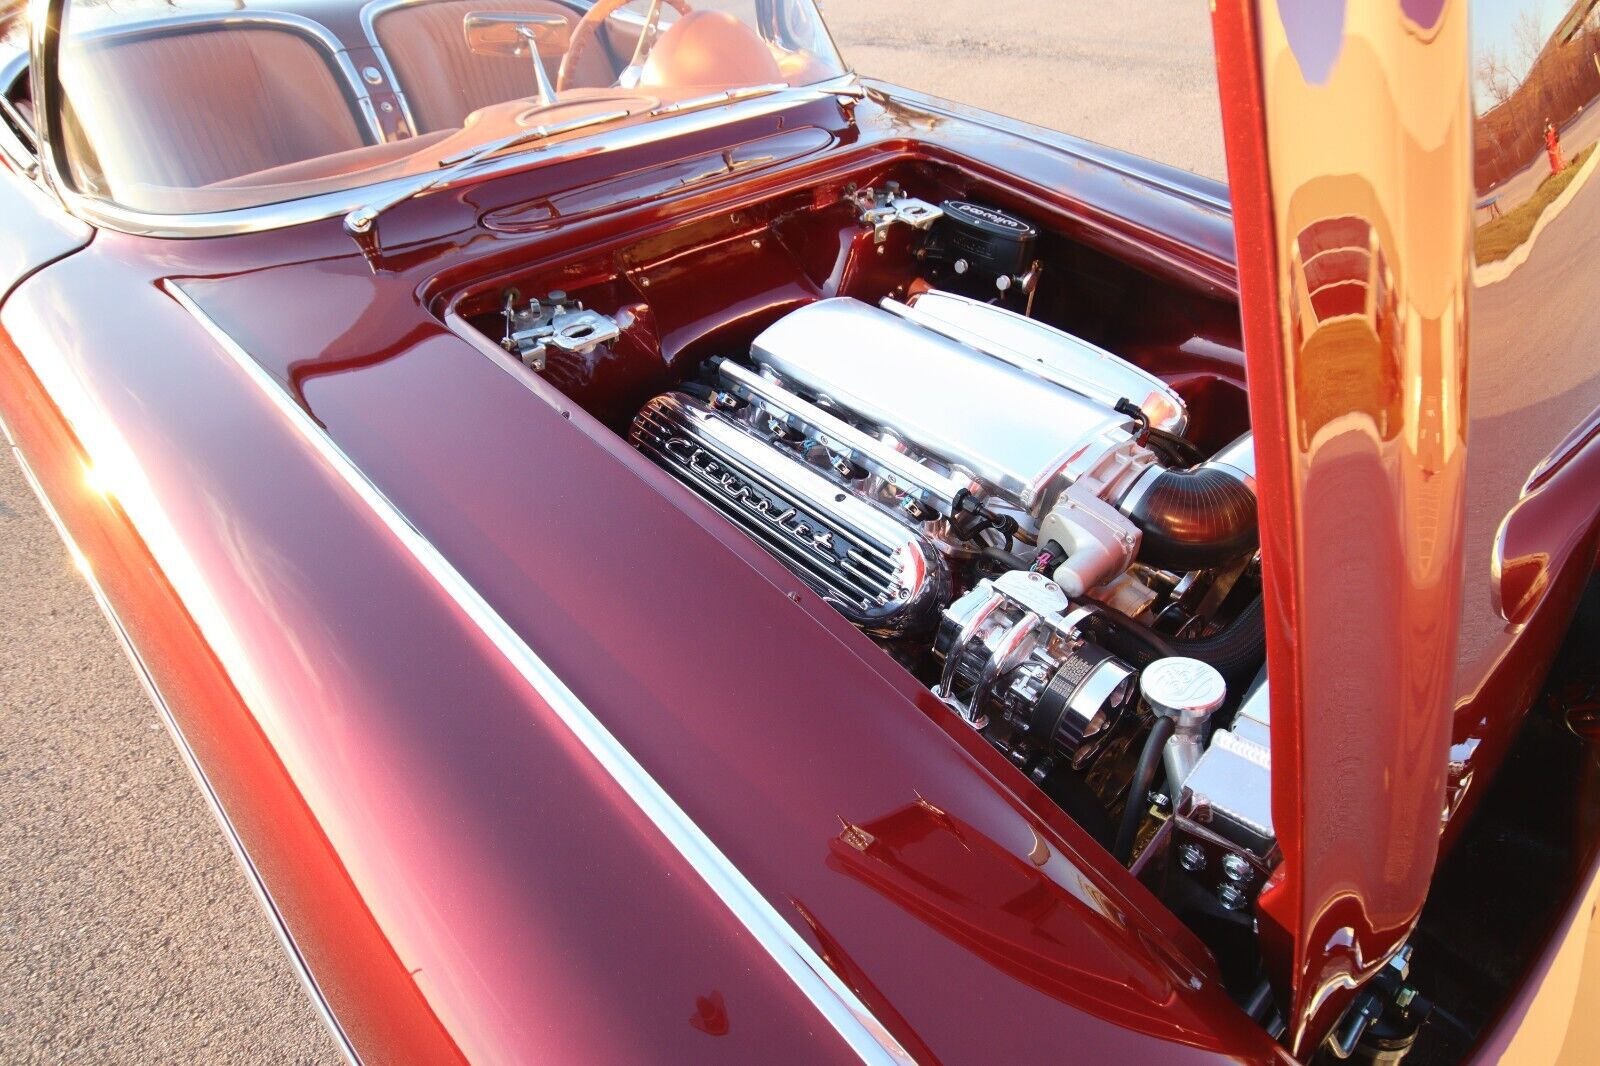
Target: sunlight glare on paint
x,y
98,480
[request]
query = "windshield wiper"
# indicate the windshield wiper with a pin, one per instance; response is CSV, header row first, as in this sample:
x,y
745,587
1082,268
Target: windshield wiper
x,y
362,222
726,96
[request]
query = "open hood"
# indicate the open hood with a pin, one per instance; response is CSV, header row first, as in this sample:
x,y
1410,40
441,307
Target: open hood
x,y
1349,152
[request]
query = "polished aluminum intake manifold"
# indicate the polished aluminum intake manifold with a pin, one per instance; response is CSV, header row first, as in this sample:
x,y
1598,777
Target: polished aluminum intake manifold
x,y
858,437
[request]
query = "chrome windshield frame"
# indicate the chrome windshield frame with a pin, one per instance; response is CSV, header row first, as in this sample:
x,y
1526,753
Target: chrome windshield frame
x,y
44,51
44,60
332,49
370,13
373,10
19,141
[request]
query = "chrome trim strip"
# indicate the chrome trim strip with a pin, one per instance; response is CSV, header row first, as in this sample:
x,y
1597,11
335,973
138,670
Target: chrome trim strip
x,y
21,148
461,164
723,96
370,14
849,1017
328,205
530,136
186,753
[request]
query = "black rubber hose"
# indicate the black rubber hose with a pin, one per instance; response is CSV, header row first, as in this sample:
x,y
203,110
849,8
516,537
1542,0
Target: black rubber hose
x,y
1183,451
1129,640
1143,777
1260,1002
700,391
1237,651
1194,519
1006,559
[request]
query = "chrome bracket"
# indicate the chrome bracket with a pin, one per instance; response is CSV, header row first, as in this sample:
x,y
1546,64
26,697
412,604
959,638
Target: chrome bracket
x,y
535,329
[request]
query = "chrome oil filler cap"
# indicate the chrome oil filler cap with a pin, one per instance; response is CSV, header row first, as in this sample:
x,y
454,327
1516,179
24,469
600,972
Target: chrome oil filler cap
x,y
1181,688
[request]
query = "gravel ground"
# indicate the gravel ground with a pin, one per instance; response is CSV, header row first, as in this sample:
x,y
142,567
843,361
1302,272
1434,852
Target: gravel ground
x,y
1137,75
127,930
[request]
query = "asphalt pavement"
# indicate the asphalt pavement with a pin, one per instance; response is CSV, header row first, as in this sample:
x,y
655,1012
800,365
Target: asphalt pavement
x,y
1534,341
127,931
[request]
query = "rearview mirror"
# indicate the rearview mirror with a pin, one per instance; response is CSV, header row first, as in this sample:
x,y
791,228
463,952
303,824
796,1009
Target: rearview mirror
x,y
512,34
509,33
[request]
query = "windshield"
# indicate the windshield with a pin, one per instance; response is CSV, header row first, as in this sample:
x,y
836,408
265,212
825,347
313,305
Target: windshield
x,y
199,106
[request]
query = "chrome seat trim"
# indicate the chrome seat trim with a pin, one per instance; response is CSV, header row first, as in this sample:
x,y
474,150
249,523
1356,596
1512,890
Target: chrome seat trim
x,y
332,48
263,217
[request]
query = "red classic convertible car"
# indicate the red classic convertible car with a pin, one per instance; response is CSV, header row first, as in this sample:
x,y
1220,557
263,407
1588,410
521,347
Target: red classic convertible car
x,y
659,548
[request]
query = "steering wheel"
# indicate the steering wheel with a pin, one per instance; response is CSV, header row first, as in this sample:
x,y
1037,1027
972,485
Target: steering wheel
x,y
583,35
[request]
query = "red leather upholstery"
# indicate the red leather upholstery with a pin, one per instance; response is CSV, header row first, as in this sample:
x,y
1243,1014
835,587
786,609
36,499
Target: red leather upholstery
x,y
190,108
444,81
712,49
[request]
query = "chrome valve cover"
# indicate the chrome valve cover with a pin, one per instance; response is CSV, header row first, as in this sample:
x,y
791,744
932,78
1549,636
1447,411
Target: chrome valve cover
x,y
874,568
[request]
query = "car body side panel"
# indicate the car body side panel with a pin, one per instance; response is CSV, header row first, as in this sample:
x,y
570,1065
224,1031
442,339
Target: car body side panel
x,y
455,873
1551,1018
467,827
1352,134
262,804
321,680
36,229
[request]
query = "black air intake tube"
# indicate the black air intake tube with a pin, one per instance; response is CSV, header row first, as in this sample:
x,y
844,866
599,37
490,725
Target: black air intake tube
x,y
1198,518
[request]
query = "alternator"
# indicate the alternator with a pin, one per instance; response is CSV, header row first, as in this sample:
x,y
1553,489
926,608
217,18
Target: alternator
x,y
1016,663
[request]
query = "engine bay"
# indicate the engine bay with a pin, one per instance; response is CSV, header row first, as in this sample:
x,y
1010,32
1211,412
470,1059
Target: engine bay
x,y
1019,464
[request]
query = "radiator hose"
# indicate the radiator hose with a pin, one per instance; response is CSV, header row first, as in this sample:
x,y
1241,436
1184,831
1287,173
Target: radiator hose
x,y
1237,651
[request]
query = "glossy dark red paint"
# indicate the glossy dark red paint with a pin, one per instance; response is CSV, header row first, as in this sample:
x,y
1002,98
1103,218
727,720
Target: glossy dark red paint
x,y
1524,555
402,785
37,231
1361,477
457,873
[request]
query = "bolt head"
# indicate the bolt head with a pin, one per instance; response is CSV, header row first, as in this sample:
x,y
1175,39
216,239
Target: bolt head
x,y
1192,857
1232,897
1238,868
